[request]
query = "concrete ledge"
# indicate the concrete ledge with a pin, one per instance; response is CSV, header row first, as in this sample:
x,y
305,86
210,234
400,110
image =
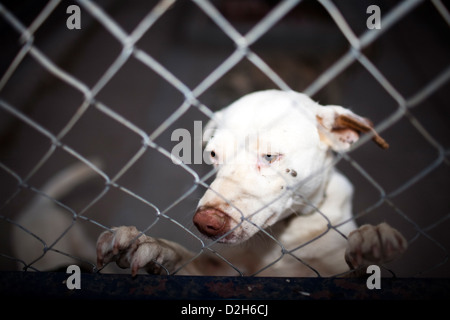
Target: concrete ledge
x,y
43,285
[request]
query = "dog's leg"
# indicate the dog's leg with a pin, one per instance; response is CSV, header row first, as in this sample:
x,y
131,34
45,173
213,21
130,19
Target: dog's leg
x,y
129,248
374,245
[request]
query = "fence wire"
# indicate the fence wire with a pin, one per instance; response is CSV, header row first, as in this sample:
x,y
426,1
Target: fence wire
x,y
26,34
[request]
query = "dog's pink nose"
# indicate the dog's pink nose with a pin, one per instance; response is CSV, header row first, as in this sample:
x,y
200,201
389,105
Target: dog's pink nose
x,y
211,222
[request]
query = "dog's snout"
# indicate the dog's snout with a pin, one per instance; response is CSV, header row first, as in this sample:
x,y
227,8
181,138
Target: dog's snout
x,y
211,222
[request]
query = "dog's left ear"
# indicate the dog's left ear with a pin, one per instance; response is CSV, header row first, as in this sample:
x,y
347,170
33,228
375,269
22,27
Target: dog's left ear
x,y
339,128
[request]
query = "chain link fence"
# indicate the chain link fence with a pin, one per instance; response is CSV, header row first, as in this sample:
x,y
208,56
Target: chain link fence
x,y
102,98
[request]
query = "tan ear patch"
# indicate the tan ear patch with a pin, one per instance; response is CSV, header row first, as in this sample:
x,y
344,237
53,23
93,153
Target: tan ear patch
x,y
361,125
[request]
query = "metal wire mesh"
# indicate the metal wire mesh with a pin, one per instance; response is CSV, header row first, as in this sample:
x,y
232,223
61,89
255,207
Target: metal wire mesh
x,y
163,206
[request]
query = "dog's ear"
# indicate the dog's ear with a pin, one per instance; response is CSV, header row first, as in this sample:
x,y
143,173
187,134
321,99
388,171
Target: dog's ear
x,y
211,127
339,128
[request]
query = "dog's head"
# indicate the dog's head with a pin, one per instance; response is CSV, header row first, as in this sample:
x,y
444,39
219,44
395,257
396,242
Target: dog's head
x,y
271,150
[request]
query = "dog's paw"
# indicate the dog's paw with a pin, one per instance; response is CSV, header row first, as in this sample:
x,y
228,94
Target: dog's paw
x,y
374,245
129,248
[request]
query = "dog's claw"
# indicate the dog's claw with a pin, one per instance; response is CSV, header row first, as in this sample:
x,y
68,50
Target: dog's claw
x,y
374,245
119,245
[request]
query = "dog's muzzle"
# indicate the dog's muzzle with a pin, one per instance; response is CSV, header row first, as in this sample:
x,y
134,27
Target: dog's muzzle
x,y
211,222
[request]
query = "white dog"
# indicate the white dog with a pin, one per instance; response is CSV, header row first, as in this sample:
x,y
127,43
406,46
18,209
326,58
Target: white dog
x,y
275,179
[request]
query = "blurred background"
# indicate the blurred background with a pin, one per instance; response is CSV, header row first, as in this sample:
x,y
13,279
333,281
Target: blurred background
x,y
414,173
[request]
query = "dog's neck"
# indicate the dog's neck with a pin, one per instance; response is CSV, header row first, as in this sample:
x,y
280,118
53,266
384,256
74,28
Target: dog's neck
x,y
331,205
312,203
309,209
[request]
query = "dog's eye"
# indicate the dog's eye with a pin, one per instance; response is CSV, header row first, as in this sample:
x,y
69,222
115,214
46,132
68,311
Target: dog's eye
x,y
214,157
270,157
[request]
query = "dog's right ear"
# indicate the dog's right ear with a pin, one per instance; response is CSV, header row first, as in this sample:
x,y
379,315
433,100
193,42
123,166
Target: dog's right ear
x,y
211,127
339,128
